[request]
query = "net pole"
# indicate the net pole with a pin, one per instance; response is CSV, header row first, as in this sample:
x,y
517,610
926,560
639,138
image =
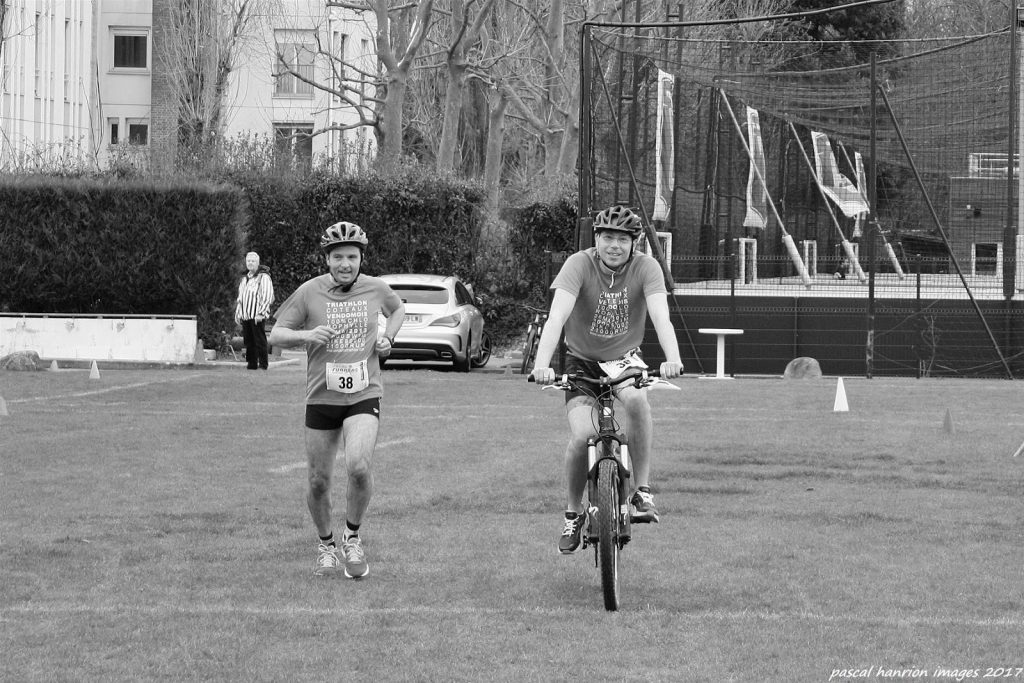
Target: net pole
x,y
847,247
787,239
942,231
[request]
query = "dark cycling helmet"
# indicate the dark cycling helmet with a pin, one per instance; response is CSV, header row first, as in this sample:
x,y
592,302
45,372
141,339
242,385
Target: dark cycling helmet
x,y
343,233
621,219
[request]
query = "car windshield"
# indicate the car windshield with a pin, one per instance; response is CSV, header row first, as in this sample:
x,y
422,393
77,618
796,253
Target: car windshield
x,y
421,294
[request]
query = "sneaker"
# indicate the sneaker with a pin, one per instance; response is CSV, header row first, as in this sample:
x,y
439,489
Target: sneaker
x,y
355,561
327,562
644,510
572,533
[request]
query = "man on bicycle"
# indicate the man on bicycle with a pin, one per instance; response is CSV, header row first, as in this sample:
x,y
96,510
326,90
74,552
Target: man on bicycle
x,y
602,297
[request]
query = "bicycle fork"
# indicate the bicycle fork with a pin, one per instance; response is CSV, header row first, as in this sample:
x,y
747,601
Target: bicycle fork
x,y
608,448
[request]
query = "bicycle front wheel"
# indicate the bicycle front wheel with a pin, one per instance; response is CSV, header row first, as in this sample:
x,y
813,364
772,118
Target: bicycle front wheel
x,y
608,531
529,349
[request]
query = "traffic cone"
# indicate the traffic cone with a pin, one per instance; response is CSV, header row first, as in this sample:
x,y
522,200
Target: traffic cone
x,y
94,371
53,365
947,423
3,407
840,406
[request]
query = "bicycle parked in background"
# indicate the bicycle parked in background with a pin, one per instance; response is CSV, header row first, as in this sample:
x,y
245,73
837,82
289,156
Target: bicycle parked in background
x,y
533,331
609,471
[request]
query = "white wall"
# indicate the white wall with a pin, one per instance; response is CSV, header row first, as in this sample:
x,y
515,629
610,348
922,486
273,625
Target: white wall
x,y
130,338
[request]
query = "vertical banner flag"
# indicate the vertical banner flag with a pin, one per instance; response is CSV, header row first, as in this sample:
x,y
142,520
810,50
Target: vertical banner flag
x,y
665,152
862,186
757,196
833,183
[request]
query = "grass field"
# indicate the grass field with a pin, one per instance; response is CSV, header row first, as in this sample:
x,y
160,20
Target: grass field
x,y
154,528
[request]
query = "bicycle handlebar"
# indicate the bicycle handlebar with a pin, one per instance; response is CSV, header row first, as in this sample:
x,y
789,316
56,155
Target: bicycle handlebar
x,y
638,378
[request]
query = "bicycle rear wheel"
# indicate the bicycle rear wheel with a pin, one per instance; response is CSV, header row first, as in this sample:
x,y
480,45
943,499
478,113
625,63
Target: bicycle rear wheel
x,y
608,531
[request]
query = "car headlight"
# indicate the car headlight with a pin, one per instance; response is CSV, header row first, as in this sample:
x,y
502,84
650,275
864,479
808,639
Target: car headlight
x,y
452,320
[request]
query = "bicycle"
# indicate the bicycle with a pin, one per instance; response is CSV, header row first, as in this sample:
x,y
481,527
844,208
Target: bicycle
x,y
609,470
533,331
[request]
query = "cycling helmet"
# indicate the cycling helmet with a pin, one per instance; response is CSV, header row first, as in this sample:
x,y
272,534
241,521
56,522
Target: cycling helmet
x,y
343,233
621,219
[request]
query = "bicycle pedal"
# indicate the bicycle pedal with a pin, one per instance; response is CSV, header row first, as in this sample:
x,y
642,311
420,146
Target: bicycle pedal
x,y
633,519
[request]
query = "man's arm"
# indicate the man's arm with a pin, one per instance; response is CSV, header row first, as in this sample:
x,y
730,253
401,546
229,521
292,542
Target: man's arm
x,y
287,338
394,323
561,307
657,309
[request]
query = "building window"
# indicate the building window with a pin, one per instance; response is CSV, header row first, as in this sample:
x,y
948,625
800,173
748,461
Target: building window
x,y
138,131
293,144
115,129
131,51
295,50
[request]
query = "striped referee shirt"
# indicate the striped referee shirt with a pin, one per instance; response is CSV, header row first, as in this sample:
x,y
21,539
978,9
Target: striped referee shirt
x,y
255,294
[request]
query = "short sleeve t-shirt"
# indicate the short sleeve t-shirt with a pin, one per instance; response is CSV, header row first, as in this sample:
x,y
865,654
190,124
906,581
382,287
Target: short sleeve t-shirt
x,y
610,315
354,314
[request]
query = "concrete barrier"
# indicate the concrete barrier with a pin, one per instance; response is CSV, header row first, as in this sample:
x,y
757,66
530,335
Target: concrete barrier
x,y
151,338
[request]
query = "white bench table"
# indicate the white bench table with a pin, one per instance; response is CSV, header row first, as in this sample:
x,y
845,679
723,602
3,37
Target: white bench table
x,y
721,333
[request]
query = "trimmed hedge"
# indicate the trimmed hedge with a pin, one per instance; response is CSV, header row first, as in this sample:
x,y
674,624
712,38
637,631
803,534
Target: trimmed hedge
x,y
177,248
89,246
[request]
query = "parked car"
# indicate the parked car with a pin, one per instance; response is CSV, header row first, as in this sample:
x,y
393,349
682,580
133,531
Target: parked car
x,y
443,322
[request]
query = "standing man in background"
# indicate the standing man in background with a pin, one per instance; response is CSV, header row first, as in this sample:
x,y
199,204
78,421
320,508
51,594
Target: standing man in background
x,y
255,294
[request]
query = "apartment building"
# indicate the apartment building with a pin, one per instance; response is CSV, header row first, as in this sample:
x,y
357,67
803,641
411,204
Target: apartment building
x,y
88,77
48,88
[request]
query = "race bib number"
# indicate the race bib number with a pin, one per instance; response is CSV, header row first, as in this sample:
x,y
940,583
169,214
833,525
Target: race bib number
x,y
347,378
614,368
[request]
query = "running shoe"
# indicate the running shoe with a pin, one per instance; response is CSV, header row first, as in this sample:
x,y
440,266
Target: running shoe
x,y
355,560
644,510
572,533
327,561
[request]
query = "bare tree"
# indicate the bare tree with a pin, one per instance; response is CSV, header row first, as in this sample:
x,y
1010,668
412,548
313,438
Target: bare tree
x,y
401,32
198,52
4,6
465,35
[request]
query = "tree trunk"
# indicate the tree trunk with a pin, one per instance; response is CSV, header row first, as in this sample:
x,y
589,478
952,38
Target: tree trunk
x,y
452,112
493,160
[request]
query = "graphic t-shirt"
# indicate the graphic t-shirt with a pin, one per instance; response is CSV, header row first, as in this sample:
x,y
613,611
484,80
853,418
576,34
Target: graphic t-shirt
x,y
611,308
337,371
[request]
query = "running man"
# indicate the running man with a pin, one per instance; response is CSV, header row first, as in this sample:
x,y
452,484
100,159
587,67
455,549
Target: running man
x,y
602,297
335,317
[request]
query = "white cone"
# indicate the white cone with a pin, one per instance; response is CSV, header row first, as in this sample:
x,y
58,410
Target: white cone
x,y
94,371
3,407
947,422
840,406
53,365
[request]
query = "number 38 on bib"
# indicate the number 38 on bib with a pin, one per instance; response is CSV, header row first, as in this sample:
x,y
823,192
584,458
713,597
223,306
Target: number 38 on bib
x,y
347,378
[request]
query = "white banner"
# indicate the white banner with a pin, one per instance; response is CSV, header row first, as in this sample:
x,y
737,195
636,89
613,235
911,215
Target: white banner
x,y
862,185
838,187
665,149
757,196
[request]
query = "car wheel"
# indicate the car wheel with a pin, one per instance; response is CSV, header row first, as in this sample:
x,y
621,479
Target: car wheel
x,y
463,364
485,352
